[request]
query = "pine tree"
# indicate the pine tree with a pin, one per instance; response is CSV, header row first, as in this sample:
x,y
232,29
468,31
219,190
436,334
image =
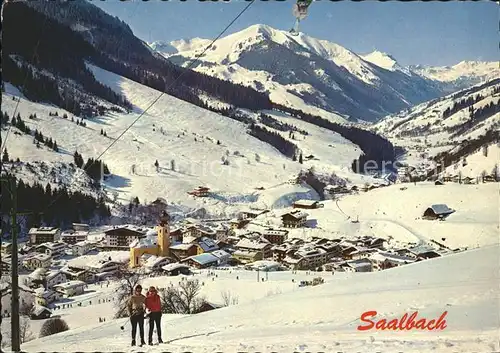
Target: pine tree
x,y
5,157
54,147
300,158
157,165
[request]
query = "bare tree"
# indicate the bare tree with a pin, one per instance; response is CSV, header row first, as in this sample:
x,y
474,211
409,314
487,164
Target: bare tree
x,y
25,333
228,298
184,299
128,278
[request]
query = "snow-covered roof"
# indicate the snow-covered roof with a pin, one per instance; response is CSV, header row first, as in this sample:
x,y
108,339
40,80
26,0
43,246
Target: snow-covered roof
x,y
83,243
188,239
38,309
245,253
38,274
359,263
153,261
297,214
382,256
143,243
220,253
40,257
271,231
441,209
204,258
174,266
208,244
305,202
70,284
53,245
251,244
181,246
97,260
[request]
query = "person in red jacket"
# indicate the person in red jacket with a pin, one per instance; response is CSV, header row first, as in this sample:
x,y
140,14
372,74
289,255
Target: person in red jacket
x,y
153,305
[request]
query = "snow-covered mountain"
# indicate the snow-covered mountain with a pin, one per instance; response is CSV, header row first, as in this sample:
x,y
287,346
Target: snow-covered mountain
x,y
306,73
448,119
463,74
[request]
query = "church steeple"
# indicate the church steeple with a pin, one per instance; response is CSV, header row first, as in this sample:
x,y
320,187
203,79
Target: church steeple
x,y
164,234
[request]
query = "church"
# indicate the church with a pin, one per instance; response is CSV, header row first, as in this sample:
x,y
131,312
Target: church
x,y
157,247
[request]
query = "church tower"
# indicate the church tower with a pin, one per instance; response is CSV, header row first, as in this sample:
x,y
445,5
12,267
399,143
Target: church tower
x,y
164,235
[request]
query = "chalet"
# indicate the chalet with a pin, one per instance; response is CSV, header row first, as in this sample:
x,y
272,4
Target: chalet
x,y
332,249
182,250
45,297
221,232
121,237
155,263
238,223
222,255
374,243
176,234
204,260
362,253
37,261
53,278
250,214
71,288
360,265
40,313
4,266
81,248
52,249
438,211
207,306
283,250
6,247
200,191
175,269
260,246
307,204
206,245
383,260
104,266
73,237
307,257
44,235
294,219
336,189
468,180
78,274
276,236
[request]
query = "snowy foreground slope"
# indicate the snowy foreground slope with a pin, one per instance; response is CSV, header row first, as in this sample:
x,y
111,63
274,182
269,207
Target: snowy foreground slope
x,y
326,317
171,130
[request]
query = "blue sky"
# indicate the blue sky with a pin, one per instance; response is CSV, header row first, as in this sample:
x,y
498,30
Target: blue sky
x,y
426,33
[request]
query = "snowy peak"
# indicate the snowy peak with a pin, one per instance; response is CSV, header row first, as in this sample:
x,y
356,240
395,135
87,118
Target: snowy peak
x,y
163,47
382,60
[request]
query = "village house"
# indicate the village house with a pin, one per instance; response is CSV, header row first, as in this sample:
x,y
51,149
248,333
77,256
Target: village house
x,y
200,191
53,278
223,256
221,232
44,235
183,250
40,313
53,249
78,274
155,263
44,297
71,288
175,269
276,236
73,236
176,234
260,246
438,211
251,214
384,260
238,223
82,247
332,190
360,265
199,230
288,247
120,238
204,260
307,204
37,261
5,266
205,244
6,247
294,219
307,257
362,253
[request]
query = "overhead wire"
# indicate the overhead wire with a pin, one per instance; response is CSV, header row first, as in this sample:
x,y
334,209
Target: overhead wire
x,y
186,69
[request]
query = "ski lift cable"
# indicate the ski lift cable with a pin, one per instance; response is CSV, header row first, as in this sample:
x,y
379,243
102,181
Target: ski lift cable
x,y
195,60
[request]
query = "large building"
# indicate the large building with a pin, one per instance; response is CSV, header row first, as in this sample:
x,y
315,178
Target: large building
x,y
120,238
44,235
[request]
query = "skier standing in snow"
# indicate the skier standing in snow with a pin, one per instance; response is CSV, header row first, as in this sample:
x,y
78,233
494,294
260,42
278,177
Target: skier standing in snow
x,y
136,310
153,305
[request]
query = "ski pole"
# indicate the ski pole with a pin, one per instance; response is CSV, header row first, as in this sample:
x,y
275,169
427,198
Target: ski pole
x,y
123,326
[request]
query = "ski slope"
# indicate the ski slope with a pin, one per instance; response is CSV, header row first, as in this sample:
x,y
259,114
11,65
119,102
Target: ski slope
x,y
326,317
171,130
